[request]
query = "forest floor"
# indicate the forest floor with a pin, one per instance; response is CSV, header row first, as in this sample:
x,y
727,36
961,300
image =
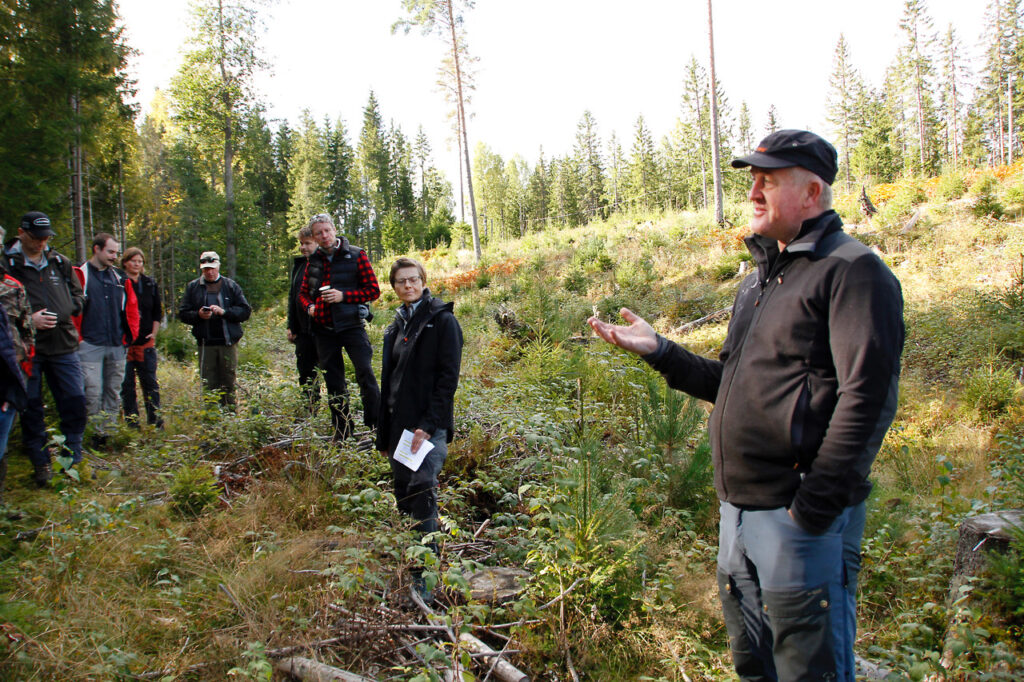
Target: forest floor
x,y
229,541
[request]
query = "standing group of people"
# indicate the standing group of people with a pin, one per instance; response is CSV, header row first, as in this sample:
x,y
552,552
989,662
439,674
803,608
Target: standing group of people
x,y
89,330
332,287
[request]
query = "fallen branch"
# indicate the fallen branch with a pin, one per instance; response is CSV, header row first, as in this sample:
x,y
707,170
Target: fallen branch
x,y
308,670
24,535
713,317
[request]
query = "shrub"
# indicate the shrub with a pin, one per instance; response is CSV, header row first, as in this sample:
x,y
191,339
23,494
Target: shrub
x,y
983,191
193,490
989,391
575,281
951,184
176,341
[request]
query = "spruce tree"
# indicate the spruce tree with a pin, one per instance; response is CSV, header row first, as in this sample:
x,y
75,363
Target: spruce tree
x,y
588,159
845,95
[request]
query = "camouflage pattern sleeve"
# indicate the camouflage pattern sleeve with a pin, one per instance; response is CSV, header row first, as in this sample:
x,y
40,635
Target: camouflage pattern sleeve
x,y
15,304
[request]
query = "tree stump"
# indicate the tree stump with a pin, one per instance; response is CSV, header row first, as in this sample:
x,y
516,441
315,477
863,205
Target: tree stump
x,y
980,536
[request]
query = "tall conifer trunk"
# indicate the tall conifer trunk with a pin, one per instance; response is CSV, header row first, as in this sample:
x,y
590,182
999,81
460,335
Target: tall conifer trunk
x,y
715,137
462,121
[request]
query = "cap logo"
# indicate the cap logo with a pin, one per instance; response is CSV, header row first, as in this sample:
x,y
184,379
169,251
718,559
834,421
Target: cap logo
x,y
761,149
41,222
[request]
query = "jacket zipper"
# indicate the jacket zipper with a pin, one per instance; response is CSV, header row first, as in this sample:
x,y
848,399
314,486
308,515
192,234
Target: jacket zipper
x,y
755,317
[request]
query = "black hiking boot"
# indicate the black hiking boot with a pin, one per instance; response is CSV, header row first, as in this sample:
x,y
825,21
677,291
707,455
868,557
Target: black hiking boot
x,y
42,475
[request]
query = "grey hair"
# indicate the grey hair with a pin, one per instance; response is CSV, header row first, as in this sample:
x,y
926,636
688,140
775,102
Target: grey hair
x,y
320,218
825,196
825,199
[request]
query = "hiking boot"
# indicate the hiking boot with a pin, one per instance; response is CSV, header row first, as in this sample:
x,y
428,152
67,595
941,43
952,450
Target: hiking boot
x,y
42,475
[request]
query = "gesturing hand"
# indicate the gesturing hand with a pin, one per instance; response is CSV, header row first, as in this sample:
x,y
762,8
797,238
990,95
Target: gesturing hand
x,y
639,337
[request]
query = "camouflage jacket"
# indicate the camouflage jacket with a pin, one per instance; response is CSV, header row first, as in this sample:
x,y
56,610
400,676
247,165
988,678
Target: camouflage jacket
x,y
15,303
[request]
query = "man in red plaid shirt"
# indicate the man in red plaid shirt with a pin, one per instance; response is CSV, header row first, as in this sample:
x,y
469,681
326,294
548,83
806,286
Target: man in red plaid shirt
x,y
337,288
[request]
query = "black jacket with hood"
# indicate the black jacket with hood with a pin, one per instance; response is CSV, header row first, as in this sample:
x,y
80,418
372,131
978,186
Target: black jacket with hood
x,y
805,386
426,370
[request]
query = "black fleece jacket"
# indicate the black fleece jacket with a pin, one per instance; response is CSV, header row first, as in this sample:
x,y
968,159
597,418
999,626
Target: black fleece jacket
x,y
426,370
805,386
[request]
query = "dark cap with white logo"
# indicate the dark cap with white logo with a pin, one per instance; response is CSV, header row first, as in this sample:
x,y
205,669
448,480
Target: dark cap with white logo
x,y
37,225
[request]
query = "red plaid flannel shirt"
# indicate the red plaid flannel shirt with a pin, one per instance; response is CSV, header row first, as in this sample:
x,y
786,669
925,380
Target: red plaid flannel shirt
x,y
367,291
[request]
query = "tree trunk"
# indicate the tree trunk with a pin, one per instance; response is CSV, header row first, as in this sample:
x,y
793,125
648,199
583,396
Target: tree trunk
x,y
77,213
715,138
465,138
229,158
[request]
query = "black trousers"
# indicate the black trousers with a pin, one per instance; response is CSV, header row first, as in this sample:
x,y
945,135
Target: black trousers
x,y
356,343
306,361
146,371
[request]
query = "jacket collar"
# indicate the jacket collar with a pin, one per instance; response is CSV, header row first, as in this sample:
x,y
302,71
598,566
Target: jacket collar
x,y
812,231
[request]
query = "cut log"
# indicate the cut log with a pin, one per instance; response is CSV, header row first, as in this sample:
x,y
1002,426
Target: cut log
x,y
308,670
866,206
713,317
500,668
914,220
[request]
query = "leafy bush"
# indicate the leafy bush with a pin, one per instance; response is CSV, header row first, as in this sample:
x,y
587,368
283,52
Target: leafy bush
x,y
193,490
895,211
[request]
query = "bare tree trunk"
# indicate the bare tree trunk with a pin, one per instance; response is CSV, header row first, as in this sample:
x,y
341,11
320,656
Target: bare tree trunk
x,y
229,157
77,213
1009,121
465,139
122,215
715,138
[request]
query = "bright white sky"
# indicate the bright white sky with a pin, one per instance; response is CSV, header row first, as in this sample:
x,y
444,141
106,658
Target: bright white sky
x,y
543,62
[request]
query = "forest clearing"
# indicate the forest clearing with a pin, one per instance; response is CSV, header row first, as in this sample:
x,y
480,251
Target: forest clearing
x,y
571,461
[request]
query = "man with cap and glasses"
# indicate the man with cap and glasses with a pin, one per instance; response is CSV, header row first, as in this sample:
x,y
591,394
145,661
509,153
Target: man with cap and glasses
x,y
804,390
215,307
55,296
338,286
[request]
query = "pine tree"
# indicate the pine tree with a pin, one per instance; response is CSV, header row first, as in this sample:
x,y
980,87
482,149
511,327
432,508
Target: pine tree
x,y
716,139
339,164
845,95
308,172
746,130
644,179
696,115
917,72
213,90
539,192
955,76
773,120
373,175
445,18
588,159
616,171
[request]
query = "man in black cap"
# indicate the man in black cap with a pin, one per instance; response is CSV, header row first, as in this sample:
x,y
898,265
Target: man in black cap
x,y
55,295
804,390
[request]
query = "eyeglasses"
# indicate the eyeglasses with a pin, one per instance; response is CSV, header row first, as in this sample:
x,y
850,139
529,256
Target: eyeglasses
x,y
415,279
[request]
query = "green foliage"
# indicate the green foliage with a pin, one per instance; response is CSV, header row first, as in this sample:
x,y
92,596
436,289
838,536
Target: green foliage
x,y
894,212
952,183
176,341
1004,584
983,193
989,391
575,281
193,490
257,665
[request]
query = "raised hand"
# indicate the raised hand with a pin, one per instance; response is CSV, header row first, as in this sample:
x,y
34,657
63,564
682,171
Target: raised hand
x,y
639,337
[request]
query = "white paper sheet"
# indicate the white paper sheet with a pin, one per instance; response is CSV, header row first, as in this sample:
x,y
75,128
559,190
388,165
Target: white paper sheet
x,y
405,455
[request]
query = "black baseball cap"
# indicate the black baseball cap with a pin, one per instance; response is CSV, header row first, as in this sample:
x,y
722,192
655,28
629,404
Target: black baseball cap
x,y
37,224
786,148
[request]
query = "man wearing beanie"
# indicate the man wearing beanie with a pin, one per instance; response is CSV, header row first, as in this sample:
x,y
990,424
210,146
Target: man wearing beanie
x,y
804,390
55,296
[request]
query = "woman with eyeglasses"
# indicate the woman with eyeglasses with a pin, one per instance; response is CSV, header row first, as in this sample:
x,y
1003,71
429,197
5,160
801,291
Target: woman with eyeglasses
x,y
420,364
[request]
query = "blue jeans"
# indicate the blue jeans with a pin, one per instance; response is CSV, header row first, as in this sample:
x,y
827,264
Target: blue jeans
x,y
6,422
64,377
789,596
